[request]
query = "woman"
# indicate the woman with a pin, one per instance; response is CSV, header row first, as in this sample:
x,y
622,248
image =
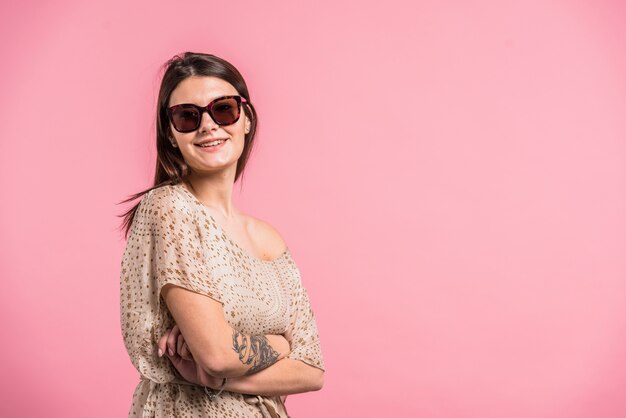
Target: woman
x,y
213,312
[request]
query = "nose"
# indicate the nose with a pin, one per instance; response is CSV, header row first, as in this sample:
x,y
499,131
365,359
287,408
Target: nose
x,y
207,123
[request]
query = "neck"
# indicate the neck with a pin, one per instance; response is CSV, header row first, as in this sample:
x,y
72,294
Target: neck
x,y
214,190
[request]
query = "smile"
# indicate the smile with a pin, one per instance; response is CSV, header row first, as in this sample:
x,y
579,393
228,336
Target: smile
x,y
211,146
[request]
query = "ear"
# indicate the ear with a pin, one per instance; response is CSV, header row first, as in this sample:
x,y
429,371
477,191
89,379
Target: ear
x,y
247,125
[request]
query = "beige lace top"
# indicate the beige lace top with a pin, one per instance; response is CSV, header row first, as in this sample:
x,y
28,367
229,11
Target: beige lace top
x,y
174,239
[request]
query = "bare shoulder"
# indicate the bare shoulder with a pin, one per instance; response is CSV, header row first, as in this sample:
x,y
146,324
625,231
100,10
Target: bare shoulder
x,y
265,235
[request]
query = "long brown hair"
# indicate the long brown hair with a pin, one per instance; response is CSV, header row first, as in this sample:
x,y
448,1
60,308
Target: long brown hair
x,y
170,165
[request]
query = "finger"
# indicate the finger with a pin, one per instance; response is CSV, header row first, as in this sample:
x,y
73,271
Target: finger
x,y
179,344
171,340
185,353
162,344
176,335
175,359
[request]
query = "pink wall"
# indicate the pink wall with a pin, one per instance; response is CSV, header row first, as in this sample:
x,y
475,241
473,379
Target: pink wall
x,y
450,177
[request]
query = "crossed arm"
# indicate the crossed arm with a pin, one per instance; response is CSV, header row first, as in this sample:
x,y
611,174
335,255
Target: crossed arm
x,y
254,364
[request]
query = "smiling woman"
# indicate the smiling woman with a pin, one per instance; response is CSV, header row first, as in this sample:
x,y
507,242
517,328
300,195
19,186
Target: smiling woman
x,y
213,312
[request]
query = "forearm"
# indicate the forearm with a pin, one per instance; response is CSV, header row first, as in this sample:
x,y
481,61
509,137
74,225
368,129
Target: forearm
x,y
245,354
285,377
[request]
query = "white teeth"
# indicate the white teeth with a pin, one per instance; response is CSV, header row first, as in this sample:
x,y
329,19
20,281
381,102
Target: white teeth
x,y
210,144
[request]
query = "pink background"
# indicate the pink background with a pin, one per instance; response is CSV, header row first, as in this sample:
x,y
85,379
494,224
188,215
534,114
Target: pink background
x,y
450,177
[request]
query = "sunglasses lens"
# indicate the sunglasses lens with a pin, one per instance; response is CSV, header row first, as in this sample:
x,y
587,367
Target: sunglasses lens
x,y
185,119
225,111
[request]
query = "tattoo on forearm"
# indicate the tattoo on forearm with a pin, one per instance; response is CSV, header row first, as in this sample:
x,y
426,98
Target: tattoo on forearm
x,y
255,350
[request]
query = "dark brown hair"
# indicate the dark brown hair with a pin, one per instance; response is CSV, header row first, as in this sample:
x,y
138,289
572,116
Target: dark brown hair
x,y
170,165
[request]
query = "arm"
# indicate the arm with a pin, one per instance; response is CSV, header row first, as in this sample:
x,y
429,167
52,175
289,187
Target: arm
x,y
285,377
217,348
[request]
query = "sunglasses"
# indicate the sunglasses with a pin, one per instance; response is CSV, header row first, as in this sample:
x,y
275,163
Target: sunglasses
x,y
224,110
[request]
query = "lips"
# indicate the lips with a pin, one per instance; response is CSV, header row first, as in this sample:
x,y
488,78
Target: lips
x,y
204,141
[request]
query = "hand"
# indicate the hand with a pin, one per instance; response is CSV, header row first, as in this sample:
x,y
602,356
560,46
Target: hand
x,y
173,344
284,346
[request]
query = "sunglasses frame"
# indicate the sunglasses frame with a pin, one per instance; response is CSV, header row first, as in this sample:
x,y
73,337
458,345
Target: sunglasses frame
x,y
208,108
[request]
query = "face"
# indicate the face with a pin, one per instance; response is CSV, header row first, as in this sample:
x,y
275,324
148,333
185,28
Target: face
x,y
201,90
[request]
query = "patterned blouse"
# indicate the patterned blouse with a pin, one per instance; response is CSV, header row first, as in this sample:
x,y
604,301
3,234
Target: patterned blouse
x,y
174,239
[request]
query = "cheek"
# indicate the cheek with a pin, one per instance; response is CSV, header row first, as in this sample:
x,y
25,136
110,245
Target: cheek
x,y
236,131
183,138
